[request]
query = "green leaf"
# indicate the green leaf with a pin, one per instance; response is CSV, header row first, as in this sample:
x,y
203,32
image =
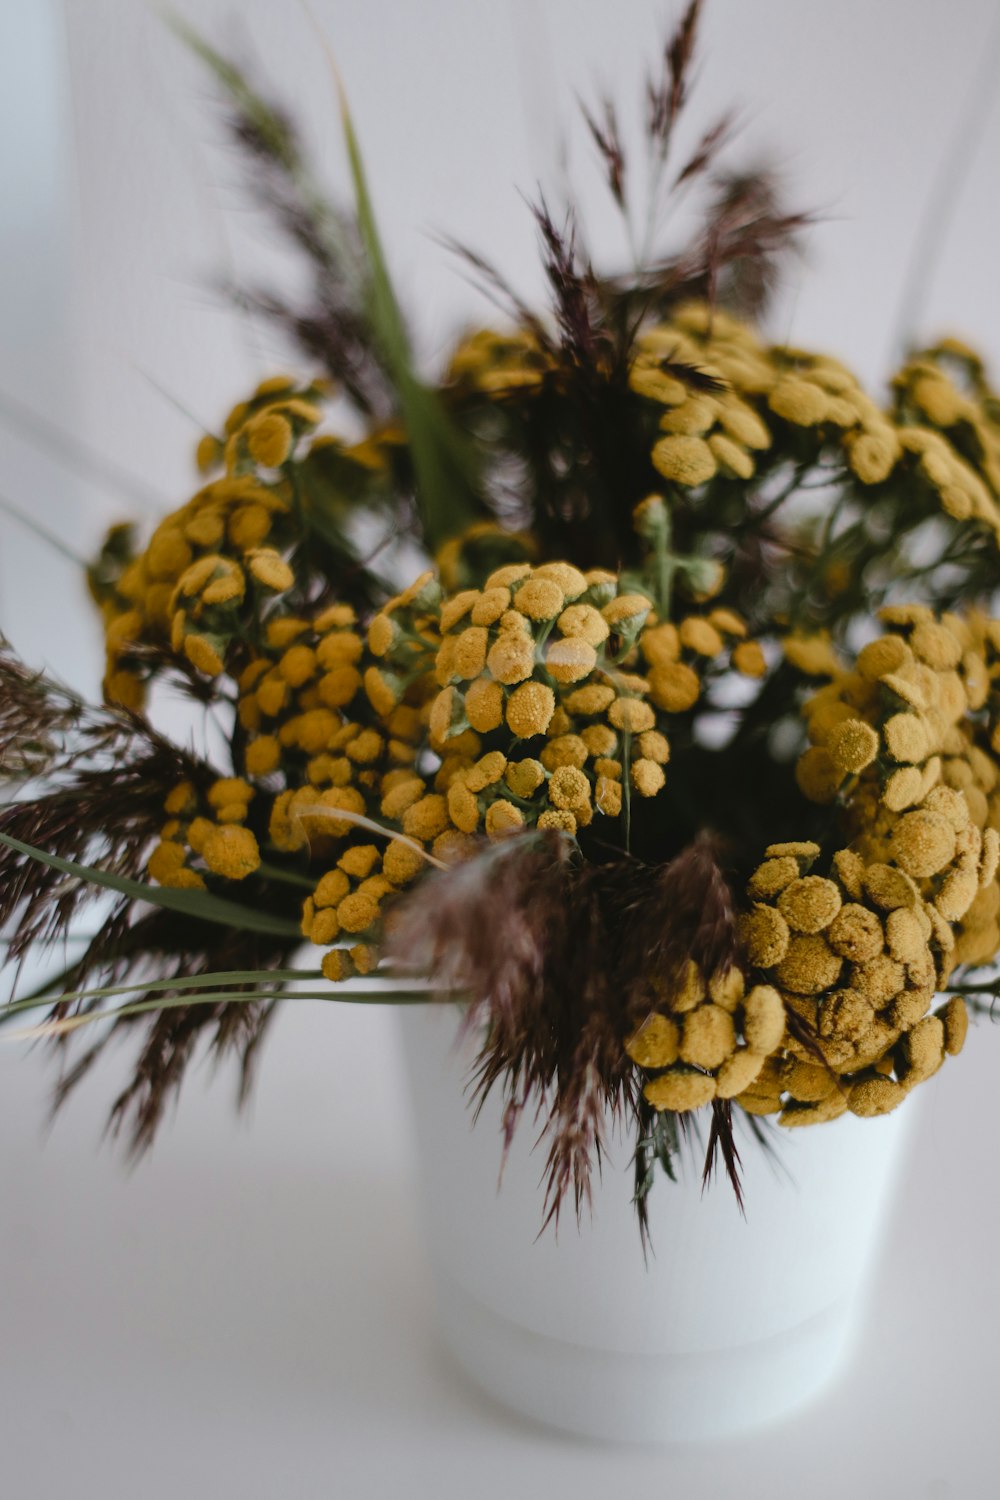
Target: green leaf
x,y
222,977
444,463
346,991
203,905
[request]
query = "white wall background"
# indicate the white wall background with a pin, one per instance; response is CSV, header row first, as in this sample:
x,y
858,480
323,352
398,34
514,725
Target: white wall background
x,y
249,1312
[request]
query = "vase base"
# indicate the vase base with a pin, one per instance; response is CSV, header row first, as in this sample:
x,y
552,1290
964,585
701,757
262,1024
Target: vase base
x,y
615,1396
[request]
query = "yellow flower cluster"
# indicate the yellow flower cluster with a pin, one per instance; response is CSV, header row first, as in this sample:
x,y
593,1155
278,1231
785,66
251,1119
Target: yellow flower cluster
x,y
895,742
219,557
538,660
206,836
215,565
707,1040
541,700
853,957
857,956
314,735
728,399
497,363
950,427
946,438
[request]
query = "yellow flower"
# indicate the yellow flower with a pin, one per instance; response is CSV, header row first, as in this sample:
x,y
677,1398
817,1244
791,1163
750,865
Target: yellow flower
x,y
749,659
559,819
297,665
905,737
470,648
168,554
229,789
165,859
208,454
569,579
628,610
524,777
203,655
923,842
529,709
487,607
692,418
359,860
655,1043
813,655
647,777
852,745
463,808
631,715
511,658
331,889
539,598
484,705
731,457
872,455
358,911
487,771
401,863
125,690
809,904
571,659
684,460
569,790
799,401
503,817
608,797
699,636
231,851
383,633
336,617
382,691
269,439
592,698
270,569
180,799
680,1091
339,687
661,644
426,818
674,687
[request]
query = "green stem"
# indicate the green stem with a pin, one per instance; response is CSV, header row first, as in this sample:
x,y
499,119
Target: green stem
x,y
151,986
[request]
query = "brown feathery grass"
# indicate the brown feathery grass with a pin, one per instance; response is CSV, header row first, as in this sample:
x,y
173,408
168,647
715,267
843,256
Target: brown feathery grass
x,y
556,956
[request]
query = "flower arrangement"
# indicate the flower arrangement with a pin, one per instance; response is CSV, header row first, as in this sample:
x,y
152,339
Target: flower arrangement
x,y
674,757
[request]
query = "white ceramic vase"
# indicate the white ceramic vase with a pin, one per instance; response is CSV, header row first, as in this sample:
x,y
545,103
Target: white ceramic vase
x,y
733,1324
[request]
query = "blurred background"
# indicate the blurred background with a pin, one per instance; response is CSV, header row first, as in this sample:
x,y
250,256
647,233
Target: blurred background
x,y
249,1311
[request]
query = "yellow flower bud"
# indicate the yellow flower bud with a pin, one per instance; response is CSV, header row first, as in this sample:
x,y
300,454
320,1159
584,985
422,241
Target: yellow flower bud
x,y
684,460
680,1091
571,659
631,715
655,1043
231,851
269,439
484,705
270,569
539,598
529,709
203,655
503,817
799,401
674,687
647,777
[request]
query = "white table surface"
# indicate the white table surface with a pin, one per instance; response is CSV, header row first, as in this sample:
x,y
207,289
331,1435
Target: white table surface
x,y
250,1314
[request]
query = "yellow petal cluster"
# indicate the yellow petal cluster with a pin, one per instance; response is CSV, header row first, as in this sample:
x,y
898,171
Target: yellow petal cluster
x,y
706,1039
